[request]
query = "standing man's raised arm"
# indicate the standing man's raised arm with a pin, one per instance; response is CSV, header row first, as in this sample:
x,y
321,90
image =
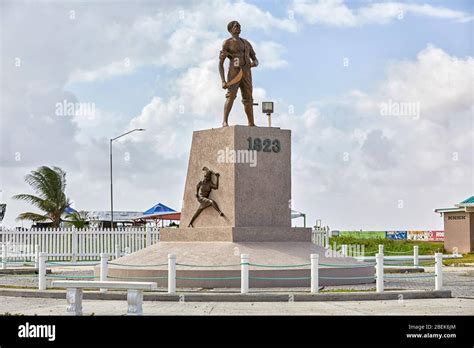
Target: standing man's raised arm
x,y
222,56
253,56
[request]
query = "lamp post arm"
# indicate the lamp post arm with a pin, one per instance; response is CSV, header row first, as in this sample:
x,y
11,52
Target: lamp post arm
x,y
111,182
124,134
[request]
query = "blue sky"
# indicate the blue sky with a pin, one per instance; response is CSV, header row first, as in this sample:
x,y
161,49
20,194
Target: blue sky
x,y
344,152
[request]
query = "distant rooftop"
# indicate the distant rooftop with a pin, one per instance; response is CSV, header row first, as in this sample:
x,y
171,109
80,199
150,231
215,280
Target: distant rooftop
x,y
119,216
467,206
469,202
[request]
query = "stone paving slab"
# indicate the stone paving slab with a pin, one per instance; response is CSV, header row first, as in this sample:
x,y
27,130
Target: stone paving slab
x,y
453,306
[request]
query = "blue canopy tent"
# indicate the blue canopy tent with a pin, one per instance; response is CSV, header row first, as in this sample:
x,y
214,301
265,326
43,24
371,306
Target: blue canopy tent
x,y
159,208
160,212
70,210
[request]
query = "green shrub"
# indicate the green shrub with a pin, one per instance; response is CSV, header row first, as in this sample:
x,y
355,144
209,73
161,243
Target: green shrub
x,y
371,245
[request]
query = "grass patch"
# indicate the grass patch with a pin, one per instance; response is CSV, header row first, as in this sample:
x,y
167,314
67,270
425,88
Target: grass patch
x,y
466,258
17,287
390,246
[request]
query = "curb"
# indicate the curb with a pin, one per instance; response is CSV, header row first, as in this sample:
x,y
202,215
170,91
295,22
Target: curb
x,y
235,297
13,271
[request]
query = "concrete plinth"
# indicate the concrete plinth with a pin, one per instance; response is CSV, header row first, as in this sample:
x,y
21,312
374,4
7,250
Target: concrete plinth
x,y
236,234
254,185
204,254
254,190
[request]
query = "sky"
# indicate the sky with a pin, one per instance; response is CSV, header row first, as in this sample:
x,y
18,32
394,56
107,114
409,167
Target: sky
x,y
379,97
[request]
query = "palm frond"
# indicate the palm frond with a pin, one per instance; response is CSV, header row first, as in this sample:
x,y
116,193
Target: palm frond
x,y
32,216
78,219
36,201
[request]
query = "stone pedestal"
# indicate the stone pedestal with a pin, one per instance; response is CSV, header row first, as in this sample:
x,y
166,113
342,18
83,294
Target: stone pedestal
x,y
254,191
236,234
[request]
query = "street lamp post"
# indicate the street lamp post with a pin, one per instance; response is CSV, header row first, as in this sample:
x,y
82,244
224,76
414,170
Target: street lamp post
x,y
267,108
111,181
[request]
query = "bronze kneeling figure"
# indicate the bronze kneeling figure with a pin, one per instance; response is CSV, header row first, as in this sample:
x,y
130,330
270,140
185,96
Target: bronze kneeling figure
x,y
203,190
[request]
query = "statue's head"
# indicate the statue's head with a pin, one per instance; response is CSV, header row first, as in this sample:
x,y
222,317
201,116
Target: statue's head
x,y
233,27
207,173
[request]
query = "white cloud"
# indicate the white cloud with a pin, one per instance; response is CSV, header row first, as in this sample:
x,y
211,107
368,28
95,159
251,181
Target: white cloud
x,y
440,82
357,159
118,68
270,53
325,12
174,37
337,13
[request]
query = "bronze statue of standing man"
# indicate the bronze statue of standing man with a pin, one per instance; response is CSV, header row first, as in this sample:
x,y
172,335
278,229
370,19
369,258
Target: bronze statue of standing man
x,y
242,57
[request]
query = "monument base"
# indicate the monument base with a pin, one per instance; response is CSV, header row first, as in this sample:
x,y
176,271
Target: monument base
x,y
254,194
236,234
198,262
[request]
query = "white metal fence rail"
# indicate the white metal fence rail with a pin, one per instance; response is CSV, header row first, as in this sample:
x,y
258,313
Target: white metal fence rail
x,y
74,244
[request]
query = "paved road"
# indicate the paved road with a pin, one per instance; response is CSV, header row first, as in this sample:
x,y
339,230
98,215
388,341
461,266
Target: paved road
x,y
453,306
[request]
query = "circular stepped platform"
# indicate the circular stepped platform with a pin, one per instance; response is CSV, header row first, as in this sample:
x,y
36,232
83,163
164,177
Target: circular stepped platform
x,y
199,262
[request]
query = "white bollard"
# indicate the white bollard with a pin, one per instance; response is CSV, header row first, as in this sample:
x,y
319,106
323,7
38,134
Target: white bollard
x,y
416,261
117,251
42,271
439,271
244,273
171,274
74,301
344,249
381,250
36,256
379,272
135,302
104,269
314,273
4,256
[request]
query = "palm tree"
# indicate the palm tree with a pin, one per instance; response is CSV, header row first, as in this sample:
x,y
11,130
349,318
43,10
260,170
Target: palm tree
x,y
49,185
79,219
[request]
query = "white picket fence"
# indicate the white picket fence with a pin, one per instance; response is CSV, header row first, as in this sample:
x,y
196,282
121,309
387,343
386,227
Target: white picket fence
x,y
320,236
74,244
